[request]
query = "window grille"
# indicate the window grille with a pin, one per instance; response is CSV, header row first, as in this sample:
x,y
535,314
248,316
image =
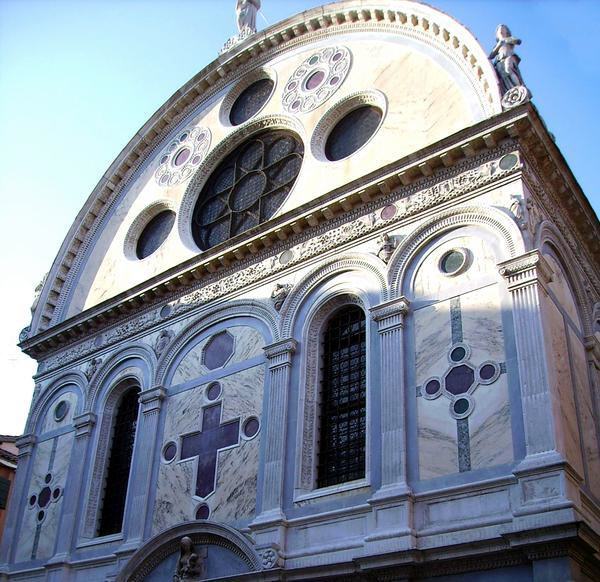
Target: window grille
x,y
343,399
119,464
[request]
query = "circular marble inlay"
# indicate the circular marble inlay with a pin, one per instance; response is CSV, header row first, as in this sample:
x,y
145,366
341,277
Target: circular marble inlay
x,y
213,391
251,427
45,496
56,493
453,262
487,372
169,451
166,311
286,257
461,406
458,354
316,79
182,156
41,515
432,387
508,162
33,500
60,411
202,511
48,478
389,211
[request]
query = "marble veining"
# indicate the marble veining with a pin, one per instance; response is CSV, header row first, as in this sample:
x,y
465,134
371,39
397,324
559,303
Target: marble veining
x,y
49,421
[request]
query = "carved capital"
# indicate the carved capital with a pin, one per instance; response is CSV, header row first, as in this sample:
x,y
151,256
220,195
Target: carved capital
x,y
84,423
528,269
25,445
151,400
280,353
592,346
390,315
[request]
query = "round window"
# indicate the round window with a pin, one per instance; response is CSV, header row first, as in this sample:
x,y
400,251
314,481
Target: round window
x,y
352,132
251,101
247,187
61,410
155,233
453,262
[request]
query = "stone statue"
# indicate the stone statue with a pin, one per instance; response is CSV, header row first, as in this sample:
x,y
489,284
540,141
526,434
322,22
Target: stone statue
x,y
246,11
37,293
506,60
190,565
162,342
386,247
279,294
92,367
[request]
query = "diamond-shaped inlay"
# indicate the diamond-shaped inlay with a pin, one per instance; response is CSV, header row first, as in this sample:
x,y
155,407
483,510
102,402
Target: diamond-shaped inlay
x,y
459,379
218,350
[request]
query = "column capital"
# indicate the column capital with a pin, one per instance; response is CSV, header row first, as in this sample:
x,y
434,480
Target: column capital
x,y
84,423
280,353
524,270
25,444
390,315
151,399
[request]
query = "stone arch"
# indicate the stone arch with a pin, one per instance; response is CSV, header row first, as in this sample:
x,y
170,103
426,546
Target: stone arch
x,y
240,308
493,219
549,234
362,262
40,407
166,543
101,382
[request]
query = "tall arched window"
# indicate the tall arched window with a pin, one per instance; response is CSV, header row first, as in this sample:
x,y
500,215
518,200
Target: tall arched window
x,y
343,386
119,464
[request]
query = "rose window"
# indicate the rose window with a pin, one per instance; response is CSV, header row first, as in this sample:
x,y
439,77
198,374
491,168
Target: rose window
x,y
316,80
247,188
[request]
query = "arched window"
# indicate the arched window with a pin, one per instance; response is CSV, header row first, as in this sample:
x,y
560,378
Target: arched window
x,y
343,383
119,464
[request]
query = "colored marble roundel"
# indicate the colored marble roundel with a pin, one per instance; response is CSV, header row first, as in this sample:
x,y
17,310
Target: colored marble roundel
x,y
316,79
182,156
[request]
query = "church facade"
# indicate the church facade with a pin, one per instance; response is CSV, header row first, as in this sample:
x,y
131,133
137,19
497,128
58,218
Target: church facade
x,y
333,313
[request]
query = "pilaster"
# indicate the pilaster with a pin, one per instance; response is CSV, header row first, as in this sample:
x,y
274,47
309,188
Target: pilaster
x,y
390,317
151,402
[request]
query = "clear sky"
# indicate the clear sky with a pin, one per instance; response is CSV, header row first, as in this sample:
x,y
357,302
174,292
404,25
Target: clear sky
x,y
78,78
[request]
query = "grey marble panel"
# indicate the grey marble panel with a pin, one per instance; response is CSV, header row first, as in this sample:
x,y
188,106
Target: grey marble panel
x,y
50,423
234,499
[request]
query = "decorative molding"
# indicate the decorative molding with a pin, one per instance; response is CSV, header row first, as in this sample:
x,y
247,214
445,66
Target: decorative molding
x,y
338,111
84,423
528,269
390,315
151,400
347,227
332,63
280,353
25,444
421,23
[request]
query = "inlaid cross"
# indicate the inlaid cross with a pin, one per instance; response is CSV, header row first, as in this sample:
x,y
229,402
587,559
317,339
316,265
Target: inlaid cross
x,y
206,444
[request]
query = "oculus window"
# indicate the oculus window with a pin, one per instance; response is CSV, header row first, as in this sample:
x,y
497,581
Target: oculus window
x,y
247,187
154,234
352,132
251,101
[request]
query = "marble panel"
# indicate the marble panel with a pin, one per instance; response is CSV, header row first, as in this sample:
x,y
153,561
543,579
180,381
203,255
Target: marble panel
x,y
562,291
50,422
438,444
490,426
561,382
433,339
585,412
248,344
234,499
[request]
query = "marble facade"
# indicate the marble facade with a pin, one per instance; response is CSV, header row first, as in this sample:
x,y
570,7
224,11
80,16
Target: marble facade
x,y
495,473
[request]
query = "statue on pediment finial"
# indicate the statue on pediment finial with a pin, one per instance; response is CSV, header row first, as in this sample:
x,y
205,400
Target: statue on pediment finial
x,y
246,11
506,62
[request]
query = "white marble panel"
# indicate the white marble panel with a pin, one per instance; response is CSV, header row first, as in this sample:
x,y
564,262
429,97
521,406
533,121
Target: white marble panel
x,y
234,499
248,343
490,426
438,447
433,340
50,423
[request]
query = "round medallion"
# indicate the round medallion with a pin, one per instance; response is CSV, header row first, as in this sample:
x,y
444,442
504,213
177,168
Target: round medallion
x,y
508,162
182,156
251,427
316,80
169,451
60,411
453,262
202,511
213,391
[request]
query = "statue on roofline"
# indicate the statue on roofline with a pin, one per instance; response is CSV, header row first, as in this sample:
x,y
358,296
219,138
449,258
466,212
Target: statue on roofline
x,y
246,11
506,62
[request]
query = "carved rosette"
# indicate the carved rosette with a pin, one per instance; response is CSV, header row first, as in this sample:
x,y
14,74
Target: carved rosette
x,y
515,97
316,79
182,156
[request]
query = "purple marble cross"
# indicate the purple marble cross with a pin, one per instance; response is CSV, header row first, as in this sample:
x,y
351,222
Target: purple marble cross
x,y
206,444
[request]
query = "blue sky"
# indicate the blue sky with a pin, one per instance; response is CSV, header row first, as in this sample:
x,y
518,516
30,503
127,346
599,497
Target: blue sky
x,y
78,78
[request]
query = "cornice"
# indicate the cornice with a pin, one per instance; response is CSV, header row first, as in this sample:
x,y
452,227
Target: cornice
x,y
408,18
425,168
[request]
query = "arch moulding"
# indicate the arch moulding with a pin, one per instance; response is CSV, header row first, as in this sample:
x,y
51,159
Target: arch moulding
x,y
495,220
